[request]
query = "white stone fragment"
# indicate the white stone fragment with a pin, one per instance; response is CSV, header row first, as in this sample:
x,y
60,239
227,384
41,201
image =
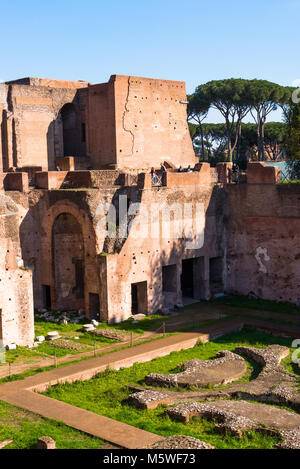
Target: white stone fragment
x,y
52,335
11,347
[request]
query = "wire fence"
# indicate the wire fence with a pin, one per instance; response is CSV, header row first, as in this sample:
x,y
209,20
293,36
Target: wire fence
x,y
156,180
56,362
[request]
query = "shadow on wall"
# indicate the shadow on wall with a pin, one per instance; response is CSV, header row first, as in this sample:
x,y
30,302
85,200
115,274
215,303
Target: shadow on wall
x,y
174,271
195,274
66,135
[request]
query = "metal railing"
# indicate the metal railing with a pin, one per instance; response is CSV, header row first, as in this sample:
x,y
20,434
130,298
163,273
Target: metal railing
x,y
156,180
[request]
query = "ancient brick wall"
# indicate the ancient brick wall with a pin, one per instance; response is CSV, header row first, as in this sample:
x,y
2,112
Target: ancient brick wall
x,y
129,122
16,295
151,123
263,239
101,125
112,265
31,133
142,256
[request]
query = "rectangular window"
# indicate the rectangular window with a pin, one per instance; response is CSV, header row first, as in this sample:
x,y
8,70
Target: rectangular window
x,y
83,133
94,305
169,278
46,296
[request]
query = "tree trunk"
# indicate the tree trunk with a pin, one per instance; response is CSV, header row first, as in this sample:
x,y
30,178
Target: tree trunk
x,y
262,138
202,142
229,146
238,146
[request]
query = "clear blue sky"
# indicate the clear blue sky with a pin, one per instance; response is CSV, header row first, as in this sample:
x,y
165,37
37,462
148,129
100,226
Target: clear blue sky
x,y
191,41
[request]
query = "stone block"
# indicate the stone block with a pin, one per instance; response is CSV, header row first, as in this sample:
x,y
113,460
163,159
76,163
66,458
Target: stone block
x,y
50,180
222,170
65,163
11,347
16,182
46,442
261,173
53,335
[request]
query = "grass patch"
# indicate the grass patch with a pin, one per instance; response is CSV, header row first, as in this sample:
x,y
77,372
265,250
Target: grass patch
x,y
22,354
48,368
261,305
106,394
293,181
24,428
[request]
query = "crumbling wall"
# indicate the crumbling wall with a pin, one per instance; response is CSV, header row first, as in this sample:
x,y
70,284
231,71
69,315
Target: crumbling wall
x,y
28,131
141,257
263,239
151,123
16,295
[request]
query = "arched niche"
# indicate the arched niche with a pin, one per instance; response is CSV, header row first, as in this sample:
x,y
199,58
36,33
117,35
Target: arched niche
x,y
68,262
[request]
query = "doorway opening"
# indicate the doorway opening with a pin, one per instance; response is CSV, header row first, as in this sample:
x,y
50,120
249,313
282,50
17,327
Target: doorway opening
x,y
216,275
94,304
192,280
139,300
71,130
68,263
187,278
46,296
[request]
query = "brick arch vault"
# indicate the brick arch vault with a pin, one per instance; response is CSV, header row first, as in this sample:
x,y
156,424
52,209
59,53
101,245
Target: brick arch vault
x,y
70,271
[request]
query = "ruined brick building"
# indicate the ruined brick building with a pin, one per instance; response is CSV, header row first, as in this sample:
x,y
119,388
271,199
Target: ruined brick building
x,y
55,251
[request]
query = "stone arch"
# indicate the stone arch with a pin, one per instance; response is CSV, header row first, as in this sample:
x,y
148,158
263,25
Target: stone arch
x,y
68,261
63,227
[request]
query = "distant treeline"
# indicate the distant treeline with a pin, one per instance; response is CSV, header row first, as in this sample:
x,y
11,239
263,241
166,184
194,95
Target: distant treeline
x,y
234,140
211,144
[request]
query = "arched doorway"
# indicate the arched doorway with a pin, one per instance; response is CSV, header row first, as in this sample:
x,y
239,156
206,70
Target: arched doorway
x,y
68,262
71,130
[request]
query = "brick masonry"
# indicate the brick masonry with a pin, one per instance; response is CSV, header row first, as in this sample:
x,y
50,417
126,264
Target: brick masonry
x,y
55,251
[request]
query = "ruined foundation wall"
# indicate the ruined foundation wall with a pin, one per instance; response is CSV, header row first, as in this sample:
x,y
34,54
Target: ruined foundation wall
x,y
16,295
263,239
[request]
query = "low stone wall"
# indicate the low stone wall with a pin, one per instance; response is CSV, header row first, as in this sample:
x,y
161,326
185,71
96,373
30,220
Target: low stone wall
x,y
16,182
261,173
50,179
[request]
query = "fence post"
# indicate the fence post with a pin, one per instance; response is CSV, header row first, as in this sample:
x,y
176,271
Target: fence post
x,y
164,328
55,362
131,339
10,373
94,349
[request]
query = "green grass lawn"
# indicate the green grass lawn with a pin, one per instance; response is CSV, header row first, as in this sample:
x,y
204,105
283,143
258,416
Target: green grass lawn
x,y
70,331
24,428
22,354
261,305
106,394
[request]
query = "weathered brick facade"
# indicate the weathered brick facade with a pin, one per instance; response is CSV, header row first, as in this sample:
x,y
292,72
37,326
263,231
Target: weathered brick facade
x,y
55,249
